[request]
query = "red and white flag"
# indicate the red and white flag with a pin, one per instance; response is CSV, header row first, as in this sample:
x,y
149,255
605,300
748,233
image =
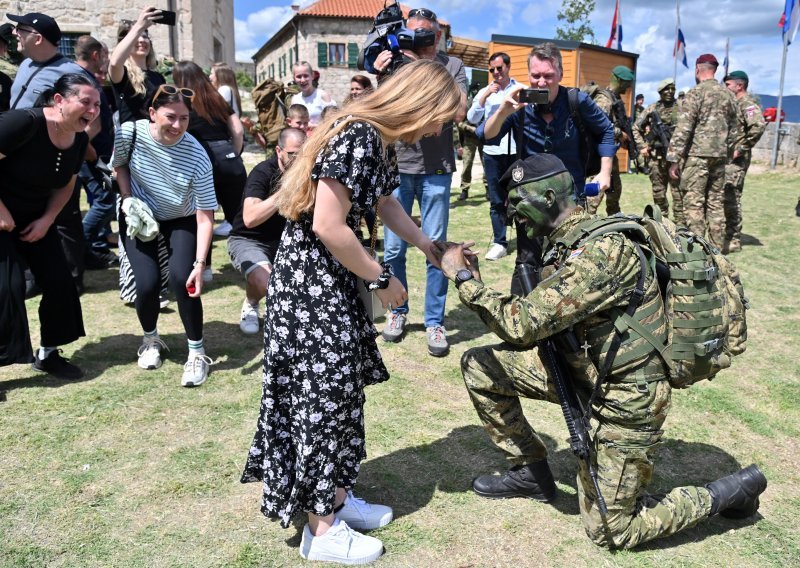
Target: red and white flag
x,y
615,40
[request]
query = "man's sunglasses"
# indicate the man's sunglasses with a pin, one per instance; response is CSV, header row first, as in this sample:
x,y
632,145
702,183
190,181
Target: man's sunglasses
x,y
422,13
496,69
173,90
25,30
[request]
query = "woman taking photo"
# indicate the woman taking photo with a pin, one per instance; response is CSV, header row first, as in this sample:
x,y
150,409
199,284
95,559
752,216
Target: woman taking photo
x,y
224,80
319,345
166,169
41,152
219,130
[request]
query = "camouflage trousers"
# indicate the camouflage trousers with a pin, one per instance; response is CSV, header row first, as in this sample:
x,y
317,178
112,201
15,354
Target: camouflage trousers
x,y
735,173
703,191
611,195
469,149
659,178
497,376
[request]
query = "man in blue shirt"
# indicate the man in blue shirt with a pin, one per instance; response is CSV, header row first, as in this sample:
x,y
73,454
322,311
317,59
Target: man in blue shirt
x,y
549,128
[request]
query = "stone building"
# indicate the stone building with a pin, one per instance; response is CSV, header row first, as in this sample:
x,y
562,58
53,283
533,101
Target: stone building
x,y
203,33
329,35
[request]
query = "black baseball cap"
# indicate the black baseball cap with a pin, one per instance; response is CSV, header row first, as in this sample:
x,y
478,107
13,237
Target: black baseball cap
x,y
42,23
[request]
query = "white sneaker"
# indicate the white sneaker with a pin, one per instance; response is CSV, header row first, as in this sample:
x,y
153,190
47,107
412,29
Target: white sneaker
x,y
208,275
363,516
496,252
340,544
163,301
223,229
249,321
150,352
195,370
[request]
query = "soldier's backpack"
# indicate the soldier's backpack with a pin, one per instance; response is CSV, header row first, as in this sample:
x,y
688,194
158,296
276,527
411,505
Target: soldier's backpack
x,y
268,99
702,293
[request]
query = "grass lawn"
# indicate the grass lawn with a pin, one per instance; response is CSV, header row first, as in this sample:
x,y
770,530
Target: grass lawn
x,y
126,468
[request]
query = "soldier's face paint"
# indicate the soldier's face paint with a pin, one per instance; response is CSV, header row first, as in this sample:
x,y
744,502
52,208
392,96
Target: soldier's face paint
x,y
532,211
668,94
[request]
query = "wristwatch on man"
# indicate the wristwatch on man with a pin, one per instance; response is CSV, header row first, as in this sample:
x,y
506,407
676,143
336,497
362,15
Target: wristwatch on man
x,y
462,276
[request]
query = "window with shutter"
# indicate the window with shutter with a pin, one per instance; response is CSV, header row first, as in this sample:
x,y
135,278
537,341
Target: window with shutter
x,y
322,54
352,55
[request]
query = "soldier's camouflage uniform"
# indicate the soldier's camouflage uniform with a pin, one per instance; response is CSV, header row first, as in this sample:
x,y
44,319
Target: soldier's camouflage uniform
x,y
612,195
736,171
632,404
659,167
706,136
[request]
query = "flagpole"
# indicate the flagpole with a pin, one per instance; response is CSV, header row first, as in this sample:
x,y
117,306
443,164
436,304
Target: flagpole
x,y
675,45
780,102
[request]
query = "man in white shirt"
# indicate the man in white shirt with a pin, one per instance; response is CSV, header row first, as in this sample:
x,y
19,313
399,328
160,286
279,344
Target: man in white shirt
x,y
496,159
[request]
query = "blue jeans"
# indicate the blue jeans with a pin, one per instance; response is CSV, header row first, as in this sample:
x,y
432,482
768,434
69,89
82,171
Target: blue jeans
x,y
100,214
495,167
433,193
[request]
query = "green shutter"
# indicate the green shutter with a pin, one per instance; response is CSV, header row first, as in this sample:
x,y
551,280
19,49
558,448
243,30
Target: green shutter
x,y
352,55
322,54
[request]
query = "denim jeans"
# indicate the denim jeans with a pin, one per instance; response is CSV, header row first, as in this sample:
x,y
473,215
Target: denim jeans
x,y
495,167
433,193
96,220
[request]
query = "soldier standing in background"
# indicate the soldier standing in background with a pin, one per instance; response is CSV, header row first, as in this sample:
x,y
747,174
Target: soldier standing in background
x,y
707,135
621,79
653,149
735,172
470,146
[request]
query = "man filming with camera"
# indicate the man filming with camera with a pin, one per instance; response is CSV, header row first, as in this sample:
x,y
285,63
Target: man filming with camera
x,y
426,171
548,126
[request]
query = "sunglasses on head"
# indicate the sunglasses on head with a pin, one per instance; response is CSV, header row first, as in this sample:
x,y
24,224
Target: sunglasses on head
x,y
173,90
422,13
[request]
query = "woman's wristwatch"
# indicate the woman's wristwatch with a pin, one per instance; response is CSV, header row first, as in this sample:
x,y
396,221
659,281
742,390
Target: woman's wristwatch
x,y
382,281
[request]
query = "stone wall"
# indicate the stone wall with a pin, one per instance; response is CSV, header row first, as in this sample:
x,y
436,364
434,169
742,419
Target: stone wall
x,y
203,34
788,147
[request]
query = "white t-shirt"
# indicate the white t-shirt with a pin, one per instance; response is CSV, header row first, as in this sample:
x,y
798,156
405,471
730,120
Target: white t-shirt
x,y
227,94
314,104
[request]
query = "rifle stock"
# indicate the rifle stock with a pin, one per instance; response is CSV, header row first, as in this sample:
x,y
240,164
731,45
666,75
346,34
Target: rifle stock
x,y
660,131
621,121
574,415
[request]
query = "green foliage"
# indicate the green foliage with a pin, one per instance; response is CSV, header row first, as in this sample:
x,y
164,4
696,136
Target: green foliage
x,y
244,80
575,14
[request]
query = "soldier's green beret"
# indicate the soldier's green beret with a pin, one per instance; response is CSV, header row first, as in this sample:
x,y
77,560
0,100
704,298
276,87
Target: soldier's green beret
x,y
737,75
664,84
623,73
533,170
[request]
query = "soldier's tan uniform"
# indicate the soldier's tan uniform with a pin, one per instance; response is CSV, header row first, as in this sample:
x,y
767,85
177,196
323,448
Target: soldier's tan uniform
x,y
706,136
659,167
633,403
735,172
612,195
8,68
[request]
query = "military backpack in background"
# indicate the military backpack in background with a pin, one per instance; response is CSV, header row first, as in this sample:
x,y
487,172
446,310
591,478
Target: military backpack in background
x,y
270,99
703,296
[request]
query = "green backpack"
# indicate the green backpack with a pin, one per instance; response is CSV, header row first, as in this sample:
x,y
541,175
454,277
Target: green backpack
x,y
702,293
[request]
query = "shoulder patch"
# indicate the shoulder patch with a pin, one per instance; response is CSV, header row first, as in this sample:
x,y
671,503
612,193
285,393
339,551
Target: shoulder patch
x,y
576,253
751,110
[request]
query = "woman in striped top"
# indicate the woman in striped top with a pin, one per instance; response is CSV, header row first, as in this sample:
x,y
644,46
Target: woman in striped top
x,y
168,170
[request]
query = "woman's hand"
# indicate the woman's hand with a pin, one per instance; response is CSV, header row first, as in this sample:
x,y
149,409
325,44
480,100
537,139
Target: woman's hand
x,y
146,17
36,230
6,219
194,284
393,295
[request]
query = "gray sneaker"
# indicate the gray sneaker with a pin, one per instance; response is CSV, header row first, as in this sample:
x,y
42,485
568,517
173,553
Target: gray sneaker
x,y
395,327
437,341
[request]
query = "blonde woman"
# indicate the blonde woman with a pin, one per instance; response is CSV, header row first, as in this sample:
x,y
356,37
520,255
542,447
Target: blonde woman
x,y
320,350
224,80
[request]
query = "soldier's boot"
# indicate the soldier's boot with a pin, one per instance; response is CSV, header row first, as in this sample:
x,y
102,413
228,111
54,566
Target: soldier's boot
x,y
464,194
533,480
735,245
736,496
797,208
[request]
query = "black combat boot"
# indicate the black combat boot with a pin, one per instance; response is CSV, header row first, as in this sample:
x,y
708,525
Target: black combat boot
x,y
736,496
533,480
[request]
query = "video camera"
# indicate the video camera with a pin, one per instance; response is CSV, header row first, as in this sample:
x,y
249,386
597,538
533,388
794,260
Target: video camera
x,y
388,34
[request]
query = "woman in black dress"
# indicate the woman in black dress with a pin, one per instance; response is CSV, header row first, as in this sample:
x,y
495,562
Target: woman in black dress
x,y
41,152
320,350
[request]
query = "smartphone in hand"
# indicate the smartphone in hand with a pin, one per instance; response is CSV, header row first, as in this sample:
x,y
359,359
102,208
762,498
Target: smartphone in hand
x,y
167,18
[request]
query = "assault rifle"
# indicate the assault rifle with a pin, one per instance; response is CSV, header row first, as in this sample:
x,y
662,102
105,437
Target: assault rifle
x,y
659,132
621,121
574,415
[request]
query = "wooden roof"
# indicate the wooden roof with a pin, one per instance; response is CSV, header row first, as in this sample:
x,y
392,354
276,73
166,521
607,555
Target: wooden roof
x,y
472,52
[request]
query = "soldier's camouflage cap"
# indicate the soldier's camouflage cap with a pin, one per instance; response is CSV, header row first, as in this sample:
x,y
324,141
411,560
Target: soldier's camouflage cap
x,y
537,172
664,84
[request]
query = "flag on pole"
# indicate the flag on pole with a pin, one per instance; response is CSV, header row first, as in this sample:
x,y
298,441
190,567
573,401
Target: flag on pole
x,y
679,52
726,61
790,19
615,40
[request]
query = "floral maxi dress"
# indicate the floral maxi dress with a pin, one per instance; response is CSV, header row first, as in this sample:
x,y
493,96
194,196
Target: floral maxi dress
x,y
319,347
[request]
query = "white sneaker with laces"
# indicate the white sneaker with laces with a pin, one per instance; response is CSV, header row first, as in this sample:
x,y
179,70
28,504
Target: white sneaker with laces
x,y
496,252
208,275
363,516
249,321
223,229
195,370
340,544
150,352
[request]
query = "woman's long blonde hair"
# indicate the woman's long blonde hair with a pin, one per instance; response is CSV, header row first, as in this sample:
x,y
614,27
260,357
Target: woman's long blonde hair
x,y
415,96
135,73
